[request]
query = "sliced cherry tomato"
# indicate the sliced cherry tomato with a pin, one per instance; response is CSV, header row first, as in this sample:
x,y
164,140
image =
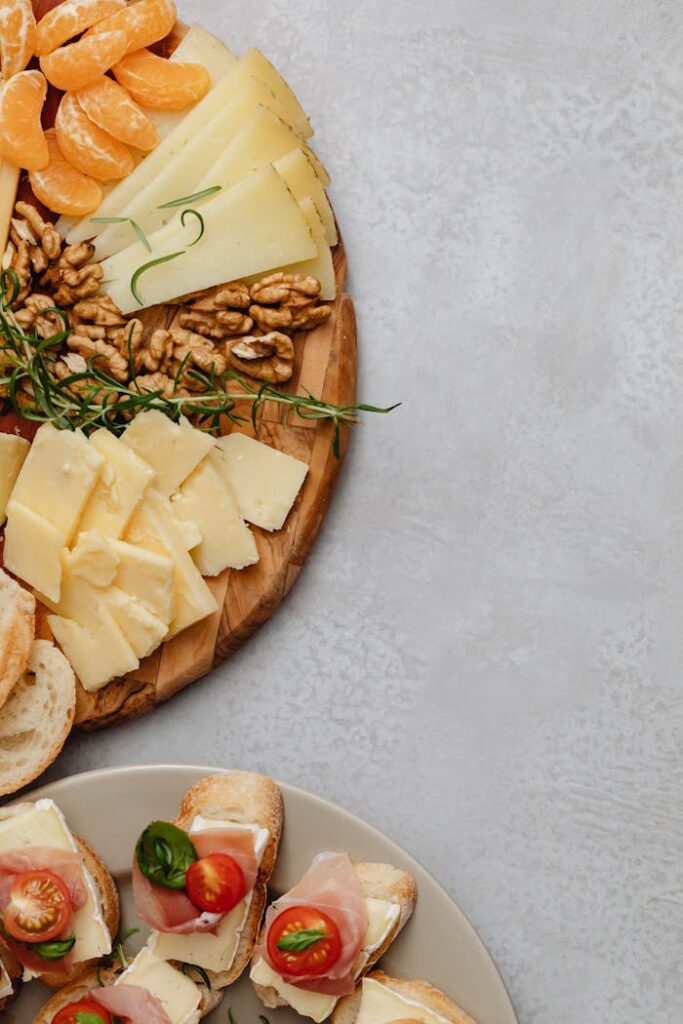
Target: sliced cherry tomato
x,y
304,941
39,907
215,883
69,1014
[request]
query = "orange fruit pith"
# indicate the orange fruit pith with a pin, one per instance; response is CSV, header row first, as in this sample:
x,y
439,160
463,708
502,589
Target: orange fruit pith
x,y
22,140
144,22
71,18
17,35
74,66
61,187
111,108
87,147
161,84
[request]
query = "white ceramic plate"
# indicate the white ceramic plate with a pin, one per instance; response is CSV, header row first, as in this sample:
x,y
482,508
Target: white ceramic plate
x,y
109,808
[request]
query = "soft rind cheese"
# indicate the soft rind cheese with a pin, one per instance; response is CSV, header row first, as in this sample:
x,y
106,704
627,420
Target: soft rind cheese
x,y
58,476
13,451
6,986
33,549
298,173
265,482
123,480
382,918
177,993
173,450
251,227
225,541
215,953
43,824
380,1005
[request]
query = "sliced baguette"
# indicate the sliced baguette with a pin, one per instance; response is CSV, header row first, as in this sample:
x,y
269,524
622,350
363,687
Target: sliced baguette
x,y
14,971
17,630
247,799
37,717
419,991
378,881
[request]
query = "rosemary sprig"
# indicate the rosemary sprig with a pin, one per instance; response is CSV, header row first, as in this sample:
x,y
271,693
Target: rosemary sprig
x,y
92,398
125,220
148,266
194,198
200,219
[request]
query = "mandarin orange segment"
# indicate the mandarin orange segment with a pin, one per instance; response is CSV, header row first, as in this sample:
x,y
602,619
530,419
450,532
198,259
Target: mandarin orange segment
x,y
87,147
61,187
17,36
71,18
110,107
144,22
22,140
159,83
74,66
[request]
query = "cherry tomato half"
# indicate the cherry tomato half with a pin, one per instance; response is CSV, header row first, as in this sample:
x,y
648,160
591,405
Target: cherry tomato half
x,y
304,941
39,907
69,1014
215,883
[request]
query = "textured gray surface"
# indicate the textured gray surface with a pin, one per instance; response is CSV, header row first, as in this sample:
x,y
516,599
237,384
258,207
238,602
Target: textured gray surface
x,y
483,655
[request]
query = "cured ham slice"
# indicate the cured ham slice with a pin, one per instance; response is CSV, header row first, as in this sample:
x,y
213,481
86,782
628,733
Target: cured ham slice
x,y
33,962
133,1003
332,886
66,864
170,910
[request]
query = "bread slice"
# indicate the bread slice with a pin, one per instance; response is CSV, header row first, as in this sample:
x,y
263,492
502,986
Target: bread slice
x,y
17,630
15,971
36,718
419,991
248,799
380,882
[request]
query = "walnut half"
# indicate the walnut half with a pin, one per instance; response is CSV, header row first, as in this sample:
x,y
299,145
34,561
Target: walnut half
x,y
269,358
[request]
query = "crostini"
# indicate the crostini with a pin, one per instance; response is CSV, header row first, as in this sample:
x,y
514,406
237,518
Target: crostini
x,y
59,907
10,978
200,882
330,929
383,1000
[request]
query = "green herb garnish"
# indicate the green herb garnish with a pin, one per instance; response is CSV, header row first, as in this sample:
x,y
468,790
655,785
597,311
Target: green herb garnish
x,y
125,220
189,968
89,1018
196,197
199,218
299,942
54,950
148,266
164,853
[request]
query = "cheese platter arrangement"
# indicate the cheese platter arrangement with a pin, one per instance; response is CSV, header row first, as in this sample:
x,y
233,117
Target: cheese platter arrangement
x,y
177,356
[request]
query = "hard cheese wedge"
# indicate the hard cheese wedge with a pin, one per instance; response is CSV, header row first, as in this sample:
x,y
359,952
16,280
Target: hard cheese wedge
x,y
177,993
123,480
173,450
251,227
33,549
265,482
9,182
298,173
254,63
13,451
225,541
321,266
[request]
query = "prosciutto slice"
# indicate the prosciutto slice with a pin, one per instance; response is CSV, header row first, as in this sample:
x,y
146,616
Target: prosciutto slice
x,y
170,910
332,886
133,1003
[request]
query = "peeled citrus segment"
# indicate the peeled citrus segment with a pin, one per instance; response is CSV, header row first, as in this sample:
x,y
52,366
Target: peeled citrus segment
x,y
61,187
17,36
22,140
74,66
144,22
70,19
110,107
87,147
161,84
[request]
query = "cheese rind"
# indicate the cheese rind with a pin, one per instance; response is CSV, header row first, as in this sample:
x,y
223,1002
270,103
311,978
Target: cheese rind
x,y
173,450
254,63
177,993
13,451
265,482
33,549
298,173
123,480
381,1005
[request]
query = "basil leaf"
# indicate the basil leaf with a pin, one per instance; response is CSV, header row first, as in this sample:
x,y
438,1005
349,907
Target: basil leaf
x,y
89,1018
54,950
164,853
299,942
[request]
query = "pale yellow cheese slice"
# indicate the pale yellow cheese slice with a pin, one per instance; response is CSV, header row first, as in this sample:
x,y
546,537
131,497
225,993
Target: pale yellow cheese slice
x,y
173,450
265,482
254,63
299,175
148,576
9,182
143,630
33,549
93,559
123,480
177,993
97,655
321,265
380,1005
13,451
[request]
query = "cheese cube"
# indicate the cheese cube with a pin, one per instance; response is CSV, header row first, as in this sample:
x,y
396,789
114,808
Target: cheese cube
x,y
147,576
225,540
13,451
96,655
321,265
265,482
298,173
58,476
143,630
33,549
177,993
173,450
123,480
92,560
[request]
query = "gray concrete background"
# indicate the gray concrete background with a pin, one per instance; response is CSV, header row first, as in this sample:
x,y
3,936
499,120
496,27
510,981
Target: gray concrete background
x,y
483,655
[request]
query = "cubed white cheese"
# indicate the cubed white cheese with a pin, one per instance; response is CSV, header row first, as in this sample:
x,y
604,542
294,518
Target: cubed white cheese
x,y
33,549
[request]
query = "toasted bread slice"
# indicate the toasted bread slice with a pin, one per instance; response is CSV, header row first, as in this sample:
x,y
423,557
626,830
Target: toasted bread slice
x,y
111,913
247,799
36,718
17,630
380,882
12,968
416,991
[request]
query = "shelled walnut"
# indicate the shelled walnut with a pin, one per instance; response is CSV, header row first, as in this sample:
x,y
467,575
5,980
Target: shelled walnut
x,y
269,357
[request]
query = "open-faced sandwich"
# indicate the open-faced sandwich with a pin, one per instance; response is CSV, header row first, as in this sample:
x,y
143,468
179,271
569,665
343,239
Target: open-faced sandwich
x,y
383,1000
329,930
59,908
